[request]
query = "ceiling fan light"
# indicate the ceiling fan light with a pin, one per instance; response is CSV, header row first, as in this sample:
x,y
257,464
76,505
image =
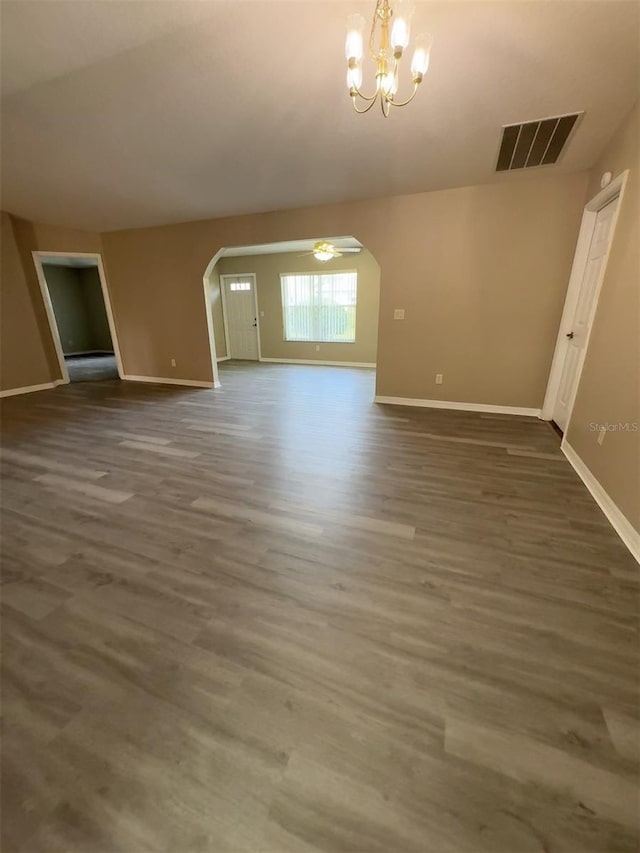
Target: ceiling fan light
x,y
323,256
324,251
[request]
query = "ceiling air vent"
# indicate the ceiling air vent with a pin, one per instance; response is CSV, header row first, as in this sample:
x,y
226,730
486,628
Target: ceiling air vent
x,y
534,143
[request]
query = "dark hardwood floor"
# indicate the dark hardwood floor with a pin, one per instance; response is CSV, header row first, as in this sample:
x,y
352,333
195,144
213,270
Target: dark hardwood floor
x,y
278,617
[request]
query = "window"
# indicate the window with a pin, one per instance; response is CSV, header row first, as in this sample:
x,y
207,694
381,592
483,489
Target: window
x,y
240,285
319,307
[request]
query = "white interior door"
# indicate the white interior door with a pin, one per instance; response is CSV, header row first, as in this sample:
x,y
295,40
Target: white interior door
x,y
583,317
241,316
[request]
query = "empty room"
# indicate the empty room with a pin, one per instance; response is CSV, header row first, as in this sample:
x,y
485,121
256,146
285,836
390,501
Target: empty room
x,y
320,426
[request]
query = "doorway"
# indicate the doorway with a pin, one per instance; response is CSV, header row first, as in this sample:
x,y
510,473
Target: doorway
x,y
240,312
79,312
281,303
592,250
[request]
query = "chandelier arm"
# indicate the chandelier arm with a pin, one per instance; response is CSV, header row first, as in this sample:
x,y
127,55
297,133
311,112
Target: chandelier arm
x,y
364,97
409,99
366,109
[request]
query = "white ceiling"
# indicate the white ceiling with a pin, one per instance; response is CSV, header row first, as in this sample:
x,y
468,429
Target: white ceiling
x,y
121,114
287,246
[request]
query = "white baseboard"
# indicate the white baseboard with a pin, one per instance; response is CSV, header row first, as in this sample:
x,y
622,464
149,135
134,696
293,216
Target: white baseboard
x,y
317,361
463,407
620,523
29,388
158,380
223,358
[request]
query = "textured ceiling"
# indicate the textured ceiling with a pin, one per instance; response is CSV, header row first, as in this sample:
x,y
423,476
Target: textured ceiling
x,y
121,114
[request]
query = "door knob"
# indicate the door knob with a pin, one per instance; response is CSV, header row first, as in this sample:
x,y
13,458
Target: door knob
x,y
570,336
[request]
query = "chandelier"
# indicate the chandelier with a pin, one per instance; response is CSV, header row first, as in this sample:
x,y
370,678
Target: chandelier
x,y
388,40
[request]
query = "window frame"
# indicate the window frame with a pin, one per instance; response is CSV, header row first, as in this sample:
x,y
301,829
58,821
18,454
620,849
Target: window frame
x,y
316,274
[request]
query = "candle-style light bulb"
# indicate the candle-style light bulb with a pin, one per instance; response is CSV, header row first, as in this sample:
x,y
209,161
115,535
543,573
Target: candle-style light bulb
x,y
390,83
354,77
401,25
420,60
354,42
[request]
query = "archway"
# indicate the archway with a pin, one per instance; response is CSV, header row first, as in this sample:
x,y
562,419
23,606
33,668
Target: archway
x,y
304,310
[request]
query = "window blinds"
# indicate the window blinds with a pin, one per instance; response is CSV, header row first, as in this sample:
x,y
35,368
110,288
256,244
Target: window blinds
x,y
319,307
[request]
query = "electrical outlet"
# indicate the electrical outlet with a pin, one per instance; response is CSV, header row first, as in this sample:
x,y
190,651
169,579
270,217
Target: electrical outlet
x,y
173,362
262,313
317,348
439,378
398,313
601,436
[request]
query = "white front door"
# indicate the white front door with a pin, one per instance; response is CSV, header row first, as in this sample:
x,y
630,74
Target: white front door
x,y
241,316
583,317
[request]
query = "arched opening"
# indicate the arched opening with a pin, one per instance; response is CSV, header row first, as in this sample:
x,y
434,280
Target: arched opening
x,y
280,302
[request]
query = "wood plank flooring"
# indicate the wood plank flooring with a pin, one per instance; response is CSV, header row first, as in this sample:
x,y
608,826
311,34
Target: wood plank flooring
x,y
278,617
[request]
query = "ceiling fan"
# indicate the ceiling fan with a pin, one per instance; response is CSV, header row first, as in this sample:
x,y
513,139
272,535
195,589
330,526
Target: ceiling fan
x,y
323,250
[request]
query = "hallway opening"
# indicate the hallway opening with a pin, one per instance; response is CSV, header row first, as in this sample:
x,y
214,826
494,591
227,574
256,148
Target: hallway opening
x,y
79,312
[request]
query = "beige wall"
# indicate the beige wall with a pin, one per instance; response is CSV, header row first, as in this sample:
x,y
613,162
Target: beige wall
x,y
22,300
155,279
482,274
480,271
267,269
609,390
23,360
